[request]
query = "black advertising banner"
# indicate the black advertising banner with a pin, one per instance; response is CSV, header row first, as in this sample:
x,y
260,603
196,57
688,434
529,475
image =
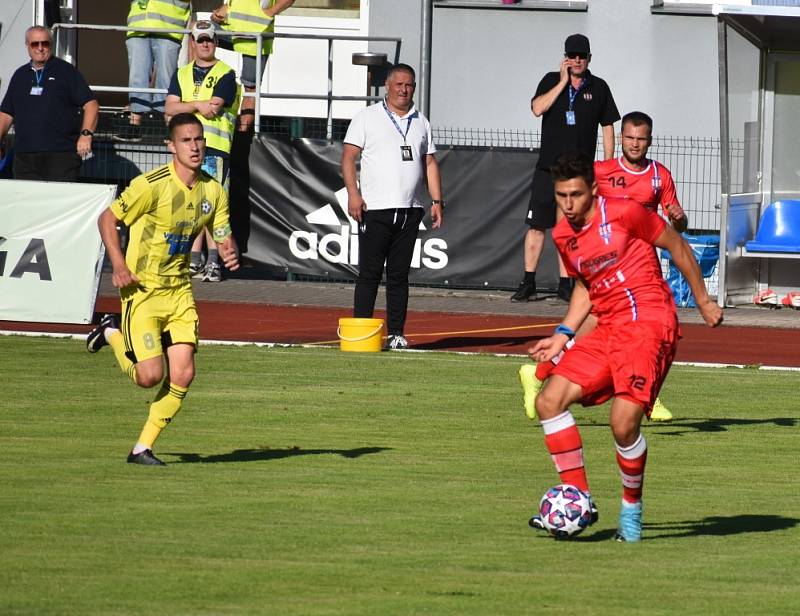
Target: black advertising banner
x,y
289,210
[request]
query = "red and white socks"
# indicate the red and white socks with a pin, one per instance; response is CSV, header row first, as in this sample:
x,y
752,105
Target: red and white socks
x,y
563,441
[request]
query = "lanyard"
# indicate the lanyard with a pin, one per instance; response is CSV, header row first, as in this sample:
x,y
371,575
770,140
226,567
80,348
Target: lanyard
x,y
574,93
39,74
396,125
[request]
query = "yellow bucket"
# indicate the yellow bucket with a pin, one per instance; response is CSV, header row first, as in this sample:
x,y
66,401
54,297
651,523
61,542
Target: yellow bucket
x,y
365,335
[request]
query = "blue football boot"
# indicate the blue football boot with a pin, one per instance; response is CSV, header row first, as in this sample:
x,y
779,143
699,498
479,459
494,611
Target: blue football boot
x,y
630,522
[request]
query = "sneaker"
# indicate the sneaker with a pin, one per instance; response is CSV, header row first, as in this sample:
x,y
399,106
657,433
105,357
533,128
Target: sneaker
x,y
630,523
212,273
525,292
130,133
195,270
536,521
531,386
659,412
397,342
145,457
96,339
767,297
792,300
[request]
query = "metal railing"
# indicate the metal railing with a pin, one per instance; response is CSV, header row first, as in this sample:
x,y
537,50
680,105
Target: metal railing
x,y
330,97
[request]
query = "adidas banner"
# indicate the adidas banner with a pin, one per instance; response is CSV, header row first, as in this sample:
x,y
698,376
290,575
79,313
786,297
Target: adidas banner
x,y
289,211
50,250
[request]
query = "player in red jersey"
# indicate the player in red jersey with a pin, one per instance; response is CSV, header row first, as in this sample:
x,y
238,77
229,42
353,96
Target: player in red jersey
x,y
634,176
607,245
631,176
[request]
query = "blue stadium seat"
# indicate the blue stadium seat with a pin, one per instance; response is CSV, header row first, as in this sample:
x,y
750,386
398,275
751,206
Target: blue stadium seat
x,y
778,229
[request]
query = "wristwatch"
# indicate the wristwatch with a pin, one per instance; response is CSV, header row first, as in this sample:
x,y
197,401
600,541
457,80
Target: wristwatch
x,y
439,202
87,133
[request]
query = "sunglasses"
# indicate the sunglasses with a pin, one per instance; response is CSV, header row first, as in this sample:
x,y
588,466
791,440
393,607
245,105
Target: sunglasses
x,y
37,44
576,55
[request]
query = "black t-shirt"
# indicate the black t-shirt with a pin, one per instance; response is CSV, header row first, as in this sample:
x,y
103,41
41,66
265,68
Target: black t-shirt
x,y
50,121
593,106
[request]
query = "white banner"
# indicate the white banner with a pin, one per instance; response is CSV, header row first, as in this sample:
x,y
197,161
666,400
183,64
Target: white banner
x,y
50,250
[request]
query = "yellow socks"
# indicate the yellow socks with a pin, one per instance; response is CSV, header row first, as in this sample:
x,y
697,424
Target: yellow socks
x,y
117,343
165,406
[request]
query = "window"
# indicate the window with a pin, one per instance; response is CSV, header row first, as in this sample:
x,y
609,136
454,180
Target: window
x,y
326,8
704,7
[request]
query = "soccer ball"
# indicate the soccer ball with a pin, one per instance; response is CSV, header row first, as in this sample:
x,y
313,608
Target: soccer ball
x,y
565,511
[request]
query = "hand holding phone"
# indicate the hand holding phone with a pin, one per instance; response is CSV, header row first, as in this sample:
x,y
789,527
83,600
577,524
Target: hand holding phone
x,y
566,71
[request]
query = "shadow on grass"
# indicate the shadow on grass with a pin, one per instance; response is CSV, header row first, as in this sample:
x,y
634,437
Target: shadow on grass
x,y
266,453
721,526
600,535
688,425
458,342
715,526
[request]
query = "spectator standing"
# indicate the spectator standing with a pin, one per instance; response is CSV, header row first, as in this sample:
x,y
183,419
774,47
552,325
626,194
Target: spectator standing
x,y
53,111
164,209
207,88
256,16
572,103
608,245
152,52
396,148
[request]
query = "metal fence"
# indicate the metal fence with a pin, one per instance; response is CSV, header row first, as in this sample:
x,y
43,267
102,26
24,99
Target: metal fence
x,y
693,161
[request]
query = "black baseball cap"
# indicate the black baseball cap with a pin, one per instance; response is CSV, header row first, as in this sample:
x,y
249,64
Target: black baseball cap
x,y
576,43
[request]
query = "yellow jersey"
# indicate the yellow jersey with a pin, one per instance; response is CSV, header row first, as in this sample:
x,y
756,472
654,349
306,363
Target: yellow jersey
x,y
164,216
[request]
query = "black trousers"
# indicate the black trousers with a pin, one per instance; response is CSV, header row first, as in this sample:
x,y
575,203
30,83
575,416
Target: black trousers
x,y
47,166
386,236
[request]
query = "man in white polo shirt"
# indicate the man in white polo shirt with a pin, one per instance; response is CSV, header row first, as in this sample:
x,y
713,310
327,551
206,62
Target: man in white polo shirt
x,y
396,148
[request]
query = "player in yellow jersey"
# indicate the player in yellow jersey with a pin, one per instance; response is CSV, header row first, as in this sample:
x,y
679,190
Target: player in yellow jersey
x,y
164,209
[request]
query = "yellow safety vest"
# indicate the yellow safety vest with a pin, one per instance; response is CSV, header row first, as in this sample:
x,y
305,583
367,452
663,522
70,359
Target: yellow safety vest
x,y
159,14
248,16
219,131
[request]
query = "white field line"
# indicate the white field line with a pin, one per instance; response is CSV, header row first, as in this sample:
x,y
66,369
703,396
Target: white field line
x,y
270,345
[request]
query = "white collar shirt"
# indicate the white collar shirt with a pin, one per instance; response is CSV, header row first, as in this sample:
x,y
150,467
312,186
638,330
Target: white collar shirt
x,y
386,180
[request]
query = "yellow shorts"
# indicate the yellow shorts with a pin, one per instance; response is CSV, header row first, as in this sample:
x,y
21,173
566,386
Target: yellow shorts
x,y
157,318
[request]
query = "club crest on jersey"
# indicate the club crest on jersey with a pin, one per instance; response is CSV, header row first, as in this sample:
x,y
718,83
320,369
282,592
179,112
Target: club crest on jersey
x,y
605,232
656,181
205,206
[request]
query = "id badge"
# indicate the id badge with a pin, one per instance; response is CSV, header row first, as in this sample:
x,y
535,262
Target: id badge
x,y
405,152
570,118
36,90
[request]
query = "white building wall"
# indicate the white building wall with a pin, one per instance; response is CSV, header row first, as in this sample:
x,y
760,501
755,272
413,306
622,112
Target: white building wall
x,y
486,63
15,16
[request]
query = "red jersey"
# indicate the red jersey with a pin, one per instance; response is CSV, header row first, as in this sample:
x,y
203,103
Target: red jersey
x,y
613,254
651,186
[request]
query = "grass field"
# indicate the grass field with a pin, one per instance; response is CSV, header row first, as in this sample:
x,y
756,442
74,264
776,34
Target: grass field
x,y
308,481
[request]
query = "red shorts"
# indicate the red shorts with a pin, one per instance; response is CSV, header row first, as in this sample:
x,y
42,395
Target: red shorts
x,y
629,361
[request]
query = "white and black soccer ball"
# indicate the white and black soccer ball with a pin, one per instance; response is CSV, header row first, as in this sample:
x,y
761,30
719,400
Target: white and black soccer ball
x,y
565,511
